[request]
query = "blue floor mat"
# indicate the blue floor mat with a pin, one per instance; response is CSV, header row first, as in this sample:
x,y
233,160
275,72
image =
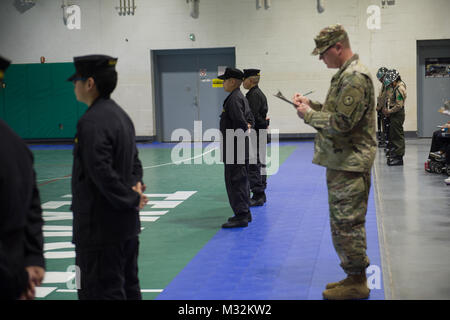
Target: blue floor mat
x,y
286,253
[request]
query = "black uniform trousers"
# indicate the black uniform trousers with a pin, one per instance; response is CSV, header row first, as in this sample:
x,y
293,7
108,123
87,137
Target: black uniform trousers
x,y
109,272
441,142
256,171
238,188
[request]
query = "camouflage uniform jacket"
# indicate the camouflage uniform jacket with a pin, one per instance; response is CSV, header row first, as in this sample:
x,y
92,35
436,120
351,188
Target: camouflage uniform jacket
x,y
397,98
381,99
345,123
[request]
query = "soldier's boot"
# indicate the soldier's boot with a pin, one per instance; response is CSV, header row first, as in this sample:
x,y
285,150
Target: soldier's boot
x,y
352,288
332,285
395,161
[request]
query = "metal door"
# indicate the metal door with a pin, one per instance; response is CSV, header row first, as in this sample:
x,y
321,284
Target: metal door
x,y
184,90
431,91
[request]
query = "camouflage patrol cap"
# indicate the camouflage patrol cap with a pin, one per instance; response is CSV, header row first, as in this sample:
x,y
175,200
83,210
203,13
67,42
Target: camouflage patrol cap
x,y
390,77
328,37
381,72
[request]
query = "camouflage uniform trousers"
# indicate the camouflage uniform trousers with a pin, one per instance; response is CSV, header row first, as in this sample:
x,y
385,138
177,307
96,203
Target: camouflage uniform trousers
x,y
348,194
396,133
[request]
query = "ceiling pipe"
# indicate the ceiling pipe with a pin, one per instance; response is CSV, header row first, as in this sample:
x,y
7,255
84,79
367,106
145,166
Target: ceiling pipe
x,y
320,9
259,4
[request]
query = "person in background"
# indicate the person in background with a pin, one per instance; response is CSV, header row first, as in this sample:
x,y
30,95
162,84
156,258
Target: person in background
x,y
395,111
22,263
236,115
258,105
107,187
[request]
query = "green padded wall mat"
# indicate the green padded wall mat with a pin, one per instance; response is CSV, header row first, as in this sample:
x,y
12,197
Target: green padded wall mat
x,y
38,102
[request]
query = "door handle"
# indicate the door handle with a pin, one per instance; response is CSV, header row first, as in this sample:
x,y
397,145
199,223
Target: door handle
x,y
196,101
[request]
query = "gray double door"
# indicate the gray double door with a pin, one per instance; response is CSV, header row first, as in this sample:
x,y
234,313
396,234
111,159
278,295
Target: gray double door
x,y
184,90
432,91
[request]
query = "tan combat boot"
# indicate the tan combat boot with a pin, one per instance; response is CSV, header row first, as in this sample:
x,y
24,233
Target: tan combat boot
x,y
332,285
351,288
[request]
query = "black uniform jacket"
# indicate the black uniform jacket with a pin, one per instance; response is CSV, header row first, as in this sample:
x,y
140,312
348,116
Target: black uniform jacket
x,y
105,167
236,114
21,240
258,105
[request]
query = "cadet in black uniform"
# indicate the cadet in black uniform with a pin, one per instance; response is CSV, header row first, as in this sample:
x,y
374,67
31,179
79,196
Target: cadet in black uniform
x,y
236,115
107,188
22,263
258,105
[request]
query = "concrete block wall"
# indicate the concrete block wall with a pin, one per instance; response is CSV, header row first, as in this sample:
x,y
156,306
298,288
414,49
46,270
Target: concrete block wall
x,y
278,40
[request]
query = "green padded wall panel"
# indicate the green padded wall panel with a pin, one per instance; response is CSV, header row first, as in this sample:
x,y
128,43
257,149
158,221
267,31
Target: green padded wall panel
x,y
38,102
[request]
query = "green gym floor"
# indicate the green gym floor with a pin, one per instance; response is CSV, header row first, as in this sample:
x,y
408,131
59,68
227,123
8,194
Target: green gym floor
x,y
174,227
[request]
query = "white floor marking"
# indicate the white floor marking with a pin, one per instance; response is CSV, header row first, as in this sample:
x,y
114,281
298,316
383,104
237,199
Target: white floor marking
x,y
59,255
42,292
57,228
163,204
58,277
149,219
153,213
58,245
57,216
55,204
57,234
180,161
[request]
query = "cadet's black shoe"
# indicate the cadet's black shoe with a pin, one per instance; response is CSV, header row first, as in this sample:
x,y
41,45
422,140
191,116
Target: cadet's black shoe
x,y
249,218
395,161
258,200
236,222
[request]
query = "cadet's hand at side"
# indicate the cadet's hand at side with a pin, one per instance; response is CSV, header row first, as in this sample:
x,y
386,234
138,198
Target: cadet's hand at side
x,y
139,188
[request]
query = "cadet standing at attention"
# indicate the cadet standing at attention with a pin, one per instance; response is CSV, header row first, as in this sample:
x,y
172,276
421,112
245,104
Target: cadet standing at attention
x,y
107,188
258,105
395,110
236,115
345,144
22,263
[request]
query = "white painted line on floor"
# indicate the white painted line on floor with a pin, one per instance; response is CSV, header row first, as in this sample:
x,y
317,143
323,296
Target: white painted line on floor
x,y
55,204
57,234
57,228
57,216
164,204
42,292
58,277
181,161
59,255
153,213
149,219
58,245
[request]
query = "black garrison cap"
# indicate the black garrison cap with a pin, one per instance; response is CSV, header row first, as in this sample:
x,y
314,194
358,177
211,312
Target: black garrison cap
x,y
251,72
232,73
90,65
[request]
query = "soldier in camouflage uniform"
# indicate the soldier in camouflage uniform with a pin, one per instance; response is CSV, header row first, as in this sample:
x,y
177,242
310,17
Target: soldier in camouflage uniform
x,y
345,144
395,110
